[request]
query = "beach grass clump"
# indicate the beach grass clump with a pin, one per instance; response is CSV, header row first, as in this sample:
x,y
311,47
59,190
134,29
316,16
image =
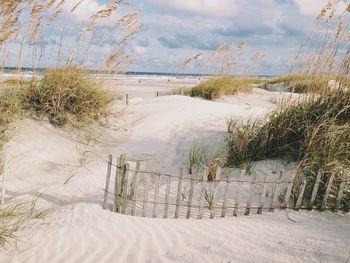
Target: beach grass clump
x,y
197,157
303,83
68,95
224,85
313,132
15,215
286,130
14,82
10,108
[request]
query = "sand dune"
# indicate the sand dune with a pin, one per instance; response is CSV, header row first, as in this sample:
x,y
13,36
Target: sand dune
x,y
47,161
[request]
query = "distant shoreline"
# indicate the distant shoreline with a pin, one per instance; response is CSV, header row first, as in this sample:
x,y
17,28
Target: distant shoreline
x,y
10,70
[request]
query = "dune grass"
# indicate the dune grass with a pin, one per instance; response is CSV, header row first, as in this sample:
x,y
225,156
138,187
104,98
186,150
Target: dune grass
x,y
216,87
314,133
304,83
67,95
10,108
64,96
14,216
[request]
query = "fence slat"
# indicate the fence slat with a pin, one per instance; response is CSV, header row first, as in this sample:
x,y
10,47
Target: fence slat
x,y
224,205
108,178
263,195
328,190
3,189
238,191
116,202
121,183
178,197
156,196
274,192
315,190
216,187
190,196
251,194
135,185
301,195
201,195
145,196
289,191
167,197
340,192
125,187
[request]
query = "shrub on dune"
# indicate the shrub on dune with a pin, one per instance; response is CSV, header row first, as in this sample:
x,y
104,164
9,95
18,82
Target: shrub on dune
x,y
10,107
313,132
68,95
225,85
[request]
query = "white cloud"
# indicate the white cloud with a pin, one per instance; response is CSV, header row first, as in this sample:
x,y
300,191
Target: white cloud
x,y
86,9
218,8
314,7
140,50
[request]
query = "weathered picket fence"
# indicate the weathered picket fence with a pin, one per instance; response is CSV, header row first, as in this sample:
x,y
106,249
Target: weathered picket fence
x,y
170,92
140,192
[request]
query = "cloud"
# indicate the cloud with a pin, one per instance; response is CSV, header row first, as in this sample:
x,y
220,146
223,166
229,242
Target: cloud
x,y
216,8
187,41
86,9
314,7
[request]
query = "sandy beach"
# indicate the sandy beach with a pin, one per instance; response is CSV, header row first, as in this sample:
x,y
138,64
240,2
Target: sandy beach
x,y
47,162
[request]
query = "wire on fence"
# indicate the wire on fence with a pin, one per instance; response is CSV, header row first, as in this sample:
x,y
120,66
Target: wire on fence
x,y
218,180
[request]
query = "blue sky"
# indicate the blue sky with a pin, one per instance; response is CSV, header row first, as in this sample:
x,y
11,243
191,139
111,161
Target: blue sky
x,y
176,29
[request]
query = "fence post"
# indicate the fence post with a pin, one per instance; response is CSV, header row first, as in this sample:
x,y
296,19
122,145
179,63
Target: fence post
x,y
201,195
156,195
105,199
167,197
328,190
117,187
122,183
136,183
145,196
125,186
315,190
289,191
274,194
340,192
216,186
251,194
301,195
239,185
126,98
224,205
179,187
263,194
3,190
190,195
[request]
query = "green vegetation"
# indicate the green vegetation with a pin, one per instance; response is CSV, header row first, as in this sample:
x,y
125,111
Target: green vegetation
x,y
67,95
314,133
63,96
303,83
225,85
197,157
15,82
15,215
10,107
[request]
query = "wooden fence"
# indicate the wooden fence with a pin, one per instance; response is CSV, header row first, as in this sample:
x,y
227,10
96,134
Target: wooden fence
x,y
170,92
133,190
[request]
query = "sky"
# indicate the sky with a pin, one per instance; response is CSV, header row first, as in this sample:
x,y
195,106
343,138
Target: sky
x,y
174,30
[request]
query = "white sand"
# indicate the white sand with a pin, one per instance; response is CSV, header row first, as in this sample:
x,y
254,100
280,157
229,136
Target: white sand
x,y
42,158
